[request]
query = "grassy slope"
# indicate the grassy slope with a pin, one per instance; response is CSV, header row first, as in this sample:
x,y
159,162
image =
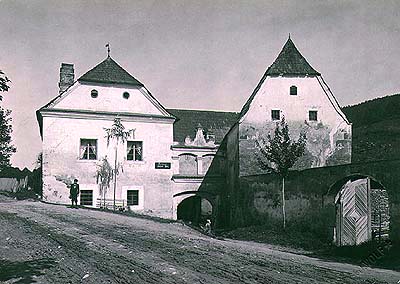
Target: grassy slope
x,y
376,129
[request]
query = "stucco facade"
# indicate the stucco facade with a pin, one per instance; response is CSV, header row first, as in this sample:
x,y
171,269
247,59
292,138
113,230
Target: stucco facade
x,y
158,169
301,96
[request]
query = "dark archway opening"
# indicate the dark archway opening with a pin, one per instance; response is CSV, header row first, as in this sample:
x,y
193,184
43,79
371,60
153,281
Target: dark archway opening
x,y
195,210
189,210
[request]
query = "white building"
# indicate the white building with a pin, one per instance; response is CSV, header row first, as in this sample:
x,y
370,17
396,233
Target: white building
x,y
156,174
291,88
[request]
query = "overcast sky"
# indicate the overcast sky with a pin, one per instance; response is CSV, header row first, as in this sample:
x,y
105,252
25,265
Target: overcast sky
x,y
193,54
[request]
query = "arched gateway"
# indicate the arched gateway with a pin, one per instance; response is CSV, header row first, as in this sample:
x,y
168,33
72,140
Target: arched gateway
x,y
362,211
195,209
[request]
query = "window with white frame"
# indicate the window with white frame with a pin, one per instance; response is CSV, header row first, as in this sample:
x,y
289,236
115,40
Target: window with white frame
x,y
275,114
313,115
88,149
134,151
293,91
132,197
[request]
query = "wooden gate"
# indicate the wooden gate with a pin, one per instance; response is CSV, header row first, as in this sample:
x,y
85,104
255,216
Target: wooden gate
x,y
353,213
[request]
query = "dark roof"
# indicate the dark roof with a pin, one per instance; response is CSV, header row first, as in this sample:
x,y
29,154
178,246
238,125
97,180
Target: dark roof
x,y
187,122
291,62
108,71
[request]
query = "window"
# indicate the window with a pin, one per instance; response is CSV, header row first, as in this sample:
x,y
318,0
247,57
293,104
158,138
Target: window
x,y
94,93
293,90
134,151
88,150
132,197
275,114
125,95
313,115
86,197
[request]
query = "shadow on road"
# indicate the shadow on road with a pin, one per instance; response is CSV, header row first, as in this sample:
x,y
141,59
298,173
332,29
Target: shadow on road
x,y
24,271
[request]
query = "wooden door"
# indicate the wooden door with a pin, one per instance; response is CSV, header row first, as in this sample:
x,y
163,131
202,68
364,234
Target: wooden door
x,y
353,216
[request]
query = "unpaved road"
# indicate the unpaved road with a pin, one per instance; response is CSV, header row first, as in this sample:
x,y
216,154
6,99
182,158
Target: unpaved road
x,y
42,243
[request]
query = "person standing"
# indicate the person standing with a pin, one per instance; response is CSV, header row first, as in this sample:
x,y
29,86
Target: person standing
x,y
74,192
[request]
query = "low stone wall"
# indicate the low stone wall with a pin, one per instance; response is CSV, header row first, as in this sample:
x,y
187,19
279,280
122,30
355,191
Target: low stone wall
x,y
13,184
310,196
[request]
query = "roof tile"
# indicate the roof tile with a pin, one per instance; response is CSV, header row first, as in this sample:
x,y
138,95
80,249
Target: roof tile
x,y
187,121
108,71
291,62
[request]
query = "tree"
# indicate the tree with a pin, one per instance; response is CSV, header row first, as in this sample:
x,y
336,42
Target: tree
x,y
6,148
104,175
279,153
117,133
4,83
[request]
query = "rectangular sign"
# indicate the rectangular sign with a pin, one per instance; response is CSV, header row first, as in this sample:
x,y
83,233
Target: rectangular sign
x,y
163,165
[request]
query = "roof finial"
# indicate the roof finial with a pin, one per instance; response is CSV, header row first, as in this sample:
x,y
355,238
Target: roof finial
x,y
108,49
289,35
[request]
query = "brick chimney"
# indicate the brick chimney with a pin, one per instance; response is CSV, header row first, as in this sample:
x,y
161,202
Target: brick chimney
x,y
66,76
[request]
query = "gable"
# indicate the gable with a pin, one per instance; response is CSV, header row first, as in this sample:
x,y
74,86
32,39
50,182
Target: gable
x,y
288,69
312,94
110,98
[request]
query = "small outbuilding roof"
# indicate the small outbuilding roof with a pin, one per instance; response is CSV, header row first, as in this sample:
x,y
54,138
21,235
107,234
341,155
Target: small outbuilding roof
x,y
108,71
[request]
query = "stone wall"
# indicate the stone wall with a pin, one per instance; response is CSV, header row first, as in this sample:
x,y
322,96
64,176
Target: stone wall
x,y
310,196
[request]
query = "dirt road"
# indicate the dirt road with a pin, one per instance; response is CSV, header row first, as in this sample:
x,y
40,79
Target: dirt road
x,y
42,243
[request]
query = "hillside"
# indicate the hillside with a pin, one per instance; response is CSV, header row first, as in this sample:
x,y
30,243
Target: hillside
x,y
376,129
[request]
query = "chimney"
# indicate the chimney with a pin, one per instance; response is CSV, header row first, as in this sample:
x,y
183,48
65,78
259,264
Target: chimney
x,y
66,76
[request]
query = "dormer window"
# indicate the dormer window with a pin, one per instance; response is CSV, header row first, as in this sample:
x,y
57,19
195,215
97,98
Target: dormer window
x,y
125,95
293,91
94,94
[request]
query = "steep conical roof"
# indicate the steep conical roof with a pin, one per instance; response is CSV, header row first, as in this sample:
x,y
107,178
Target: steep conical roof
x,y
290,62
108,71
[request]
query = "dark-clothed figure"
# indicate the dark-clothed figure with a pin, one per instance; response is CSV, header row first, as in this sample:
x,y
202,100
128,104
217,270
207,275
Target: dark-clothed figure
x,y
74,192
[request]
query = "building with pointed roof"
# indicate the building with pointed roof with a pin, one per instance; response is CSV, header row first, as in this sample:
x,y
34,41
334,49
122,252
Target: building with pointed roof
x,y
162,163
181,164
293,89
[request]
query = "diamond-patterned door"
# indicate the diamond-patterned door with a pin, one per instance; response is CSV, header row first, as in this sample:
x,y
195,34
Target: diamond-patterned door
x,y
353,219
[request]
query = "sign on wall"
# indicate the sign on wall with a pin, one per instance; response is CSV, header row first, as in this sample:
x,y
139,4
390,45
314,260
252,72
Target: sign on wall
x,y
163,165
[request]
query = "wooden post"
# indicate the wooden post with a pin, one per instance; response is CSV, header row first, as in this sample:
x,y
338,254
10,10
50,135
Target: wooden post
x,y
283,203
115,174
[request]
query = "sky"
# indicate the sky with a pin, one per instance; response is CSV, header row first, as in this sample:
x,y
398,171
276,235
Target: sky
x,y
192,54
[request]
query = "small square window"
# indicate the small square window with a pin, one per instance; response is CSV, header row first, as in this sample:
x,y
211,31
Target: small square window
x,y
313,115
293,90
86,197
88,149
134,151
275,114
132,197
